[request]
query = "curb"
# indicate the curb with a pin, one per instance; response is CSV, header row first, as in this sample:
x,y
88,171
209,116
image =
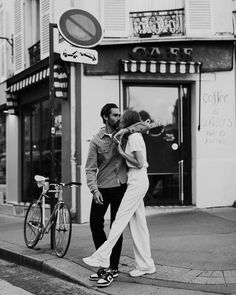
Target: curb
x,y
75,273
51,265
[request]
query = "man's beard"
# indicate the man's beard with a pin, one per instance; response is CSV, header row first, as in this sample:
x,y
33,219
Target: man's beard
x,y
114,126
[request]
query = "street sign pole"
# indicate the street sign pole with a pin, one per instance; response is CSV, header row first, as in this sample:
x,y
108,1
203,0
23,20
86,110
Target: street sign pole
x,y
52,113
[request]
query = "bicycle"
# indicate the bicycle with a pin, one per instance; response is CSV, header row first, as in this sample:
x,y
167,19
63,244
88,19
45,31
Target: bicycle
x,y
60,221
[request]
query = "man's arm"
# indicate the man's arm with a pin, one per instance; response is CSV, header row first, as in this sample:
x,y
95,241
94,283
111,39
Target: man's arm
x,y
91,168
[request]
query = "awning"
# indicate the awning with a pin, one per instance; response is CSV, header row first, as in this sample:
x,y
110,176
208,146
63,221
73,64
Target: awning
x,y
34,78
153,66
60,81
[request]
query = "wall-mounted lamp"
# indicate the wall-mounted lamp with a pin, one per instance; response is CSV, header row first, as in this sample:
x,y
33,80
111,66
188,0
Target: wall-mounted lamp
x,y
10,41
12,103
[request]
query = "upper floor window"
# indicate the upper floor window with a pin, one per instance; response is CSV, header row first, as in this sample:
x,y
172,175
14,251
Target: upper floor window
x,y
27,31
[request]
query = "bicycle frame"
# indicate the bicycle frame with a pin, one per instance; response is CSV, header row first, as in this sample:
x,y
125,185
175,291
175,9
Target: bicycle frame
x,y
46,226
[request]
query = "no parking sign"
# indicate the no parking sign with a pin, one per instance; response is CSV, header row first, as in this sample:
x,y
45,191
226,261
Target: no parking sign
x,y
80,28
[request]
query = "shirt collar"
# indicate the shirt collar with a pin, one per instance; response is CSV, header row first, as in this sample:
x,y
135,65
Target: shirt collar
x,y
103,132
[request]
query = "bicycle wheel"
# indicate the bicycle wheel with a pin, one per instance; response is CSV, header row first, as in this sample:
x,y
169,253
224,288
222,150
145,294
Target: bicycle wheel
x,y
62,228
33,224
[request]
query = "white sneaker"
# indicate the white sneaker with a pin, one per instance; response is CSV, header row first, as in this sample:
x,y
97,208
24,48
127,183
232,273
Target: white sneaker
x,y
94,262
138,273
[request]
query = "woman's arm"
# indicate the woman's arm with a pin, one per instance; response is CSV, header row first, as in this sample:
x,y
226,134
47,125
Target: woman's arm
x,y
137,160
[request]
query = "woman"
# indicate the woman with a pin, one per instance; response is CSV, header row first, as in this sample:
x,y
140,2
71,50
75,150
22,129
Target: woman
x,y
131,210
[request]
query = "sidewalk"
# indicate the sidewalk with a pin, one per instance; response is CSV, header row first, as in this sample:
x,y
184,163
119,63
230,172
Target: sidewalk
x,y
194,250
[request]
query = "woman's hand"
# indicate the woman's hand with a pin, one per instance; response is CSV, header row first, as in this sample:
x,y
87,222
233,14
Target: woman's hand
x,y
120,150
120,133
118,142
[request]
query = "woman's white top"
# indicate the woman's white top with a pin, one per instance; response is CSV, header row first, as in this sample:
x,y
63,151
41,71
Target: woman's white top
x,y
136,143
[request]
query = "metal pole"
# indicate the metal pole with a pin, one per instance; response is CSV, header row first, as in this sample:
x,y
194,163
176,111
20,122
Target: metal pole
x,y
52,110
73,136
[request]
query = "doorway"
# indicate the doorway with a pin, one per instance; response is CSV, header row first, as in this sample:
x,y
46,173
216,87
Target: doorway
x,y
169,146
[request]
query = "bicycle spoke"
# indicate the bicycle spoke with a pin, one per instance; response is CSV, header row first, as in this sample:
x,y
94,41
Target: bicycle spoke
x,y
32,225
62,230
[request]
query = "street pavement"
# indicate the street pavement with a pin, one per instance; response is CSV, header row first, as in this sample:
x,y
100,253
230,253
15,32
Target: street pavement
x,y
193,249
8,289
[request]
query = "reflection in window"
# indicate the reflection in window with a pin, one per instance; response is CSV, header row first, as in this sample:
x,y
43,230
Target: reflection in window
x,y
159,104
2,148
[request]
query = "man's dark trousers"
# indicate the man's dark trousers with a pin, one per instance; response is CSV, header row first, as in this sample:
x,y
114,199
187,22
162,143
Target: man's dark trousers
x,y
111,196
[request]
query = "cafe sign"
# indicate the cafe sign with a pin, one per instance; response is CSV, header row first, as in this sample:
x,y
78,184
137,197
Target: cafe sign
x,y
157,53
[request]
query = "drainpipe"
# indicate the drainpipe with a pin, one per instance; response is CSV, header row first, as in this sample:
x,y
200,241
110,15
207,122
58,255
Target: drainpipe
x,y
73,136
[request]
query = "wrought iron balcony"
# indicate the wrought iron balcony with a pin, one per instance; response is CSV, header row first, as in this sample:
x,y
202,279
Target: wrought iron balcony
x,y
149,24
34,53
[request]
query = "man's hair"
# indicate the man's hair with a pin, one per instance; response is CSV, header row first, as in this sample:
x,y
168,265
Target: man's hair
x,y
106,110
130,117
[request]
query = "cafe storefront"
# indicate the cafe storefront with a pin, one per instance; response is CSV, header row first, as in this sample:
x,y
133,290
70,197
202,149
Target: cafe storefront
x,y
188,89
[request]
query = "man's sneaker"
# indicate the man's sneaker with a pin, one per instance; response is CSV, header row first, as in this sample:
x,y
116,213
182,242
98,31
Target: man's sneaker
x,y
106,279
115,273
97,275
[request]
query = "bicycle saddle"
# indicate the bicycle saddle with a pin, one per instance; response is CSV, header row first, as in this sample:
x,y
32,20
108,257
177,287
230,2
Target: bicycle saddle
x,y
40,178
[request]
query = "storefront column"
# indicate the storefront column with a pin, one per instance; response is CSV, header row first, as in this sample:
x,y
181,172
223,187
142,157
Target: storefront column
x,y
12,161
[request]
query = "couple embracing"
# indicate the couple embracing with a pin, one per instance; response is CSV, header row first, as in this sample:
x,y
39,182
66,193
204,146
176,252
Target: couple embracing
x,y
116,171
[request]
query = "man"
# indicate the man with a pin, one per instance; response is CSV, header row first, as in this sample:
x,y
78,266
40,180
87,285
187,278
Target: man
x,y
106,173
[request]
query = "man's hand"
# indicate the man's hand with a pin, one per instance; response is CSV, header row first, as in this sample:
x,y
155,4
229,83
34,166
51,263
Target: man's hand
x,y
97,197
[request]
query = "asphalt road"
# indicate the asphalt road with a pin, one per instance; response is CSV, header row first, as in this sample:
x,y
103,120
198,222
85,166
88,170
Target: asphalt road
x,y
20,280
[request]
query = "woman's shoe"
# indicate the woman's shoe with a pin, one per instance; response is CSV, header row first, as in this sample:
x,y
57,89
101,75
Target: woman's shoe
x,y
138,273
94,262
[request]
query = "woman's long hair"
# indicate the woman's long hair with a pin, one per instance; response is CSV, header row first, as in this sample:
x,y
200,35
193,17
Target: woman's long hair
x,y
130,117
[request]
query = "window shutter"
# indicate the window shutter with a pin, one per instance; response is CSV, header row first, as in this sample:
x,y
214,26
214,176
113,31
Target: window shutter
x,y
3,65
198,15
44,27
116,18
19,43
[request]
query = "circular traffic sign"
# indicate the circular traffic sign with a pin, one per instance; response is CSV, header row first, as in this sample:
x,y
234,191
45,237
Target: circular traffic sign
x,y
80,28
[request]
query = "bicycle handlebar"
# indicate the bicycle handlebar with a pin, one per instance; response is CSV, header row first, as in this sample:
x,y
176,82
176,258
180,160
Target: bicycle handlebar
x,y
42,179
71,183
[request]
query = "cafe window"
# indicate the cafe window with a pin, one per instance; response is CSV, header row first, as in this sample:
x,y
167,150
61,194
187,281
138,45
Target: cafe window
x,y
2,148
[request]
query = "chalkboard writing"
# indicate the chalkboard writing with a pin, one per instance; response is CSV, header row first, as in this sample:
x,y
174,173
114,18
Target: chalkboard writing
x,y
217,120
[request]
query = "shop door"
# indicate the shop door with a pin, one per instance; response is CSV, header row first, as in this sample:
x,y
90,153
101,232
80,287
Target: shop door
x,y
169,151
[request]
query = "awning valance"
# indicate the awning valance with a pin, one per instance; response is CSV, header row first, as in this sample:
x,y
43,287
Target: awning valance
x,y
60,81
153,66
32,79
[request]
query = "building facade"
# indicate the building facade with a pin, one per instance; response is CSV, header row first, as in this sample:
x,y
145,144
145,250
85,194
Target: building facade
x,y
173,61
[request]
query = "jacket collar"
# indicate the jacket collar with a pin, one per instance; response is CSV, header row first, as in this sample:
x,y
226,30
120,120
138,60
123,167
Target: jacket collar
x,y
103,132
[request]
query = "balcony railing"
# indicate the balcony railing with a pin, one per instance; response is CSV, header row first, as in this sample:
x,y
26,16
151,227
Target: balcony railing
x,y
34,53
149,24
